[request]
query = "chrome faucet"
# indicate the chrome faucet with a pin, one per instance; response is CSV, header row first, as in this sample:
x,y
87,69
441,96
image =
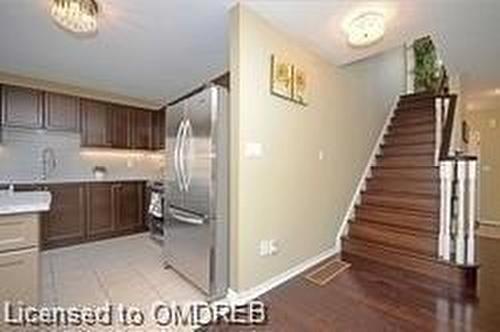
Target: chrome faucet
x,y
49,163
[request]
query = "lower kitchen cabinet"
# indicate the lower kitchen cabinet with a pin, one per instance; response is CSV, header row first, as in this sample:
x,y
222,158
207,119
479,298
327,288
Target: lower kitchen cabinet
x,y
64,224
128,203
100,210
85,212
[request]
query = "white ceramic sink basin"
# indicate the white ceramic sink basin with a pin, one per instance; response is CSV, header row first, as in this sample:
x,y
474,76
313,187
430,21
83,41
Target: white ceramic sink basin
x,y
24,202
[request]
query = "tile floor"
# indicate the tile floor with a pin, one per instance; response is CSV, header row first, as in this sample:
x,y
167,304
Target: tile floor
x,y
125,270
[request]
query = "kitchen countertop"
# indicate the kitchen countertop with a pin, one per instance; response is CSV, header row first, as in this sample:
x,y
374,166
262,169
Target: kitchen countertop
x,y
24,202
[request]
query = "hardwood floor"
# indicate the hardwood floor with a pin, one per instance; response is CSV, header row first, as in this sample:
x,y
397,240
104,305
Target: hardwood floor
x,y
373,297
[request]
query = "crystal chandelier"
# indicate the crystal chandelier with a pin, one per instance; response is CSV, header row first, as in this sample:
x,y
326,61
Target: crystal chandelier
x,y
77,16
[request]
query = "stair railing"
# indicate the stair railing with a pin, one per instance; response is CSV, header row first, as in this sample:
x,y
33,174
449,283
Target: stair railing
x,y
458,184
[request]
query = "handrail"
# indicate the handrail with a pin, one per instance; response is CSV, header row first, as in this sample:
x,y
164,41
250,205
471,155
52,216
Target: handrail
x,y
458,186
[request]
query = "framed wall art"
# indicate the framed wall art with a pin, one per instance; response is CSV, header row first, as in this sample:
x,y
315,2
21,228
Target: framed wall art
x,y
299,86
281,77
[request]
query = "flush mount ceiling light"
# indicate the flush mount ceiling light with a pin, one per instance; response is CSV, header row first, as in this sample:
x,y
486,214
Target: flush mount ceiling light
x,y
365,30
77,16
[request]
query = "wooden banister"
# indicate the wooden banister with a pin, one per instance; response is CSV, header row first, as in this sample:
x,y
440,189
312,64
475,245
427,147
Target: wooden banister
x,y
447,132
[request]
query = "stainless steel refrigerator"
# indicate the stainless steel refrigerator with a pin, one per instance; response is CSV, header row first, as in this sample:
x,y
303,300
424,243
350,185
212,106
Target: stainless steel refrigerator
x,y
196,227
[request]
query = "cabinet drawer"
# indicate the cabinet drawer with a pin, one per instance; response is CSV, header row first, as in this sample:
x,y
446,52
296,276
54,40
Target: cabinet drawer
x,y
19,276
18,231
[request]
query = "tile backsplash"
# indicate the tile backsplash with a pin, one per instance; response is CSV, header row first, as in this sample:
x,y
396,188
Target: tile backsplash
x,y
21,159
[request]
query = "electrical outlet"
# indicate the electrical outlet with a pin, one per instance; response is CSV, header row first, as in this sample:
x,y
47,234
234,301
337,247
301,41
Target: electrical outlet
x,y
264,248
273,247
321,155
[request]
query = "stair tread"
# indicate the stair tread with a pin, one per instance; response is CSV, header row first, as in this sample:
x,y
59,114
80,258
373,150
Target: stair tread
x,y
428,227
391,228
429,131
402,213
389,194
407,253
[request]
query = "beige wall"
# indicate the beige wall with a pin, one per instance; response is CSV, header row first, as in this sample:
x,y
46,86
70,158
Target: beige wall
x,y
288,194
487,123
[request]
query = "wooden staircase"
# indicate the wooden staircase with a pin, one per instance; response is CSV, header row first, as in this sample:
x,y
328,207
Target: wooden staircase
x,y
397,220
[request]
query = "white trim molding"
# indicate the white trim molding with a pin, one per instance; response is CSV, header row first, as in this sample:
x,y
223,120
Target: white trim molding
x,y
372,161
241,298
490,223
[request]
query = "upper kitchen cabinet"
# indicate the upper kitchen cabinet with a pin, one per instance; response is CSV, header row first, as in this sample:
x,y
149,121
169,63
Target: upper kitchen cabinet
x,y
141,125
120,126
159,129
22,107
96,129
62,112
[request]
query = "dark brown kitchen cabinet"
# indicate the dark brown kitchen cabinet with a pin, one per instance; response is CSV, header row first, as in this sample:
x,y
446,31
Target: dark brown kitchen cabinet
x,y
85,212
128,204
120,124
159,129
96,126
141,125
22,107
100,210
62,112
64,224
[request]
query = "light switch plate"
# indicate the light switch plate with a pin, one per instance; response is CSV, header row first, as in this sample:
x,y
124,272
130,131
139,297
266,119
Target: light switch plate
x,y
253,150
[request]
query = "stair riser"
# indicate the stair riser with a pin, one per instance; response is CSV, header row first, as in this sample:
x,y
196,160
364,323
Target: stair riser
x,y
462,278
420,103
424,113
411,121
409,139
411,130
424,245
402,162
398,150
405,161
415,187
415,111
404,220
424,205
426,174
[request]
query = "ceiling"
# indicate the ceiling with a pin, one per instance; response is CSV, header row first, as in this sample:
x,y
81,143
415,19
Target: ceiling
x,y
150,49
157,50
466,33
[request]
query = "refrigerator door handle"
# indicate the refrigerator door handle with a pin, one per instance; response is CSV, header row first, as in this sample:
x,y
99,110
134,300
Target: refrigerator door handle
x,y
178,176
186,144
185,216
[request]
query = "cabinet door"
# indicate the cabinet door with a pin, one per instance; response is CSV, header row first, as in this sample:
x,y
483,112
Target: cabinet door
x,y
100,215
96,124
22,107
62,112
121,127
141,129
159,129
19,273
65,222
129,206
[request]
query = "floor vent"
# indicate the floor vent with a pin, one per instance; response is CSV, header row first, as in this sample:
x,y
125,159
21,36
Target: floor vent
x,y
323,274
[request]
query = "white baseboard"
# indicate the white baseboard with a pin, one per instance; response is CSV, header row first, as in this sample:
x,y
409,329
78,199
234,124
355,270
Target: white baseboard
x,y
490,223
240,298
366,174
